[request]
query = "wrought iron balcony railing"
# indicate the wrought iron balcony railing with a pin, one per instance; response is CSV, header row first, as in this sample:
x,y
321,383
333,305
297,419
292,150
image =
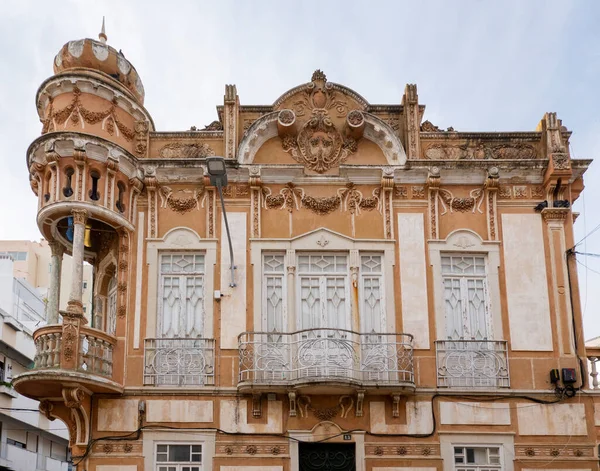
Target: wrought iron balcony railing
x,y
316,355
179,362
472,363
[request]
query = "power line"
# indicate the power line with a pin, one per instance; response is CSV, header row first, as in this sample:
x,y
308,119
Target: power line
x,y
593,230
588,268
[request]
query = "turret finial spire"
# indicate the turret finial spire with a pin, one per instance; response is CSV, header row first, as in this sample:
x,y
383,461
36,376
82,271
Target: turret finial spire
x,y
102,35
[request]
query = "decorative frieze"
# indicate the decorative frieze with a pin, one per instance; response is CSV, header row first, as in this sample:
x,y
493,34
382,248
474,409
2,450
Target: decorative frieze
x,y
180,201
180,150
76,113
554,451
404,450
254,449
236,191
117,448
348,198
481,151
141,137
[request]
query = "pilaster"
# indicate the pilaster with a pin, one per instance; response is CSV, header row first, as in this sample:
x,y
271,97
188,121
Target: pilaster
x,y
433,186
554,219
412,120
231,120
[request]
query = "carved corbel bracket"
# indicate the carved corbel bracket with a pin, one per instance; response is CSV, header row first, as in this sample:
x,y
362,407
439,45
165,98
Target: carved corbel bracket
x,y
256,405
293,403
396,405
50,153
360,398
74,398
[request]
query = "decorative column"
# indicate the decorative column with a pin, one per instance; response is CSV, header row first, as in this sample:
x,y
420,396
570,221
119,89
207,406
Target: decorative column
x,y
151,190
255,183
54,289
387,195
354,273
433,187
555,220
230,118
75,305
291,291
412,120
491,187
80,158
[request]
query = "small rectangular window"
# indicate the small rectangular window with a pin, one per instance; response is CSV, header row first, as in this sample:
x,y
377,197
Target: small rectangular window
x,y
179,457
12,442
477,458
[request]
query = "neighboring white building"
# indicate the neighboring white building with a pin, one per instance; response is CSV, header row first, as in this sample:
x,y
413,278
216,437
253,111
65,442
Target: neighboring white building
x,y
32,262
28,440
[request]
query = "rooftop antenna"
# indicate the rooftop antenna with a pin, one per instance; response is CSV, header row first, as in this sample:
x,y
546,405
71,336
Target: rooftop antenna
x,y
102,35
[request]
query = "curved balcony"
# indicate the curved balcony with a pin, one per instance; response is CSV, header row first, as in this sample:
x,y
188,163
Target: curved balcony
x,y
325,360
69,354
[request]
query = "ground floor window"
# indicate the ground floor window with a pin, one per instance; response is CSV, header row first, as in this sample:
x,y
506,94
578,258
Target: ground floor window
x,y
477,458
178,457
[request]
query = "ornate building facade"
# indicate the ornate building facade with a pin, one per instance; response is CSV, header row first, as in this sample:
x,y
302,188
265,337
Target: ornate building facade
x,y
402,298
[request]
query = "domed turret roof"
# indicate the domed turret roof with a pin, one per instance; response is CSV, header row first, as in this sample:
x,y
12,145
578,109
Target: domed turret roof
x,y
99,56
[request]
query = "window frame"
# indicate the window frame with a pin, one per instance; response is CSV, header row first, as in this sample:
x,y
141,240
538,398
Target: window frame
x,y
464,297
319,240
466,466
178,239
178,465
323,277
503,440
465,241
183,277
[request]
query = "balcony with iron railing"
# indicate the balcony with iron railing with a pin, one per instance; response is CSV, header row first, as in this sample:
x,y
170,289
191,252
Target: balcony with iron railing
x,y
179,362
69,353
324,359
472,363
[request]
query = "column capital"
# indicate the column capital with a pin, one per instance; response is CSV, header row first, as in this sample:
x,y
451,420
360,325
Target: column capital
x,y
56,248
79,216
555,214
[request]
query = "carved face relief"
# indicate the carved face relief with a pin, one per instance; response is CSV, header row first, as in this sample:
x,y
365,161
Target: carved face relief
x,y
319,145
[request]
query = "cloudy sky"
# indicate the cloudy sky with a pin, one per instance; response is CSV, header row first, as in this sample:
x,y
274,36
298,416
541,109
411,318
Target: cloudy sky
x,y
479,65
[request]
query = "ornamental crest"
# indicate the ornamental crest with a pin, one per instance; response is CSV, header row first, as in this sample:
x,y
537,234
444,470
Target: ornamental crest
x,y
319,145
324,140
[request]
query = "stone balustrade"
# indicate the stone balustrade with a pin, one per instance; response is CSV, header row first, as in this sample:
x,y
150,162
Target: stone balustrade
x,y
89,351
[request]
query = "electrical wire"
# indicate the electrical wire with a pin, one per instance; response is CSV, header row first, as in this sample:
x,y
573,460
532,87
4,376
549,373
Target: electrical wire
x,y
588,268
592,232
137,433
587,254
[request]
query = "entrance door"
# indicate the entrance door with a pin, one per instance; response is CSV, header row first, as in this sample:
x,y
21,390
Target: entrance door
x,y
327,457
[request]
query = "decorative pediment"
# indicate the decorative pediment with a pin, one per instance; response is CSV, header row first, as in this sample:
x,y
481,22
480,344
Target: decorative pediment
x,y
320,124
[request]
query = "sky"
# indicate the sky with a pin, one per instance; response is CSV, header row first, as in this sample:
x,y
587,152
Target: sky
x,y
479,65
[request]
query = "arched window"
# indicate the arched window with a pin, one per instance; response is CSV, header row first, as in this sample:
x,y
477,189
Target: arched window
x,y
94,193
111,317
47,186
68,188
120,205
